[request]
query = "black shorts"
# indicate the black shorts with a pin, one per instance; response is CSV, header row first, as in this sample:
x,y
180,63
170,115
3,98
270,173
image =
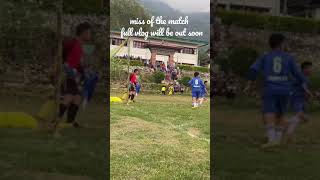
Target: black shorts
x,y
132,87
70,86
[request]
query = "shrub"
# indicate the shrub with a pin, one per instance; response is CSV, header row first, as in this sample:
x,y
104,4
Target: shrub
x,y
136,63
132,62
238,61
185,81
158,77
193,68
241,59
273,23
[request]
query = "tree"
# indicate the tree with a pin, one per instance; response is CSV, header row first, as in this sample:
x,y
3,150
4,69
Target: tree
x,y
122,11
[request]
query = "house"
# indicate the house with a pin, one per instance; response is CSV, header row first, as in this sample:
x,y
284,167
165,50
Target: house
x,y
156,49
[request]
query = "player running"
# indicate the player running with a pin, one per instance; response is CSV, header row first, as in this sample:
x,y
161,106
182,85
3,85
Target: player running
x,y
277,67
298,101
197,86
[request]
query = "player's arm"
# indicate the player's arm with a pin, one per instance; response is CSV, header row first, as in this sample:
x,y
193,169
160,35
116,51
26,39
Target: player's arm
x,y
253,73
190,82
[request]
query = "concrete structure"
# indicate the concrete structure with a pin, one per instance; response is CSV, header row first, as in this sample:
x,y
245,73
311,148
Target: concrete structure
x,y
264,6
301,8
166,50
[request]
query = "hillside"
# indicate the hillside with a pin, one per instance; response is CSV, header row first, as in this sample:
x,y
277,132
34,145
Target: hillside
x,y
197,21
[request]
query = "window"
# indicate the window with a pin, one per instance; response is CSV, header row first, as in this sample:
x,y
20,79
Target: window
x,y
139,44
117,41
188,51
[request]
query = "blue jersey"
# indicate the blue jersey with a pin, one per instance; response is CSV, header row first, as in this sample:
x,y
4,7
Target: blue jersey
x,y
279,70
196,84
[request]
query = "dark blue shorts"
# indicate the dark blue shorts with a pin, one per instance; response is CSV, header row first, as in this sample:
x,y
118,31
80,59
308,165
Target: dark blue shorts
x,y
138,88
196,94
275,104
297,103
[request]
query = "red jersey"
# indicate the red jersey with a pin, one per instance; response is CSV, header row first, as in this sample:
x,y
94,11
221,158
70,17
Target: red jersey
x,y
72,53
133,78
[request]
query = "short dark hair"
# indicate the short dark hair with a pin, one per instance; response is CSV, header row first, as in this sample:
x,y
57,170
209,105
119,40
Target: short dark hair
x,y
306,64
135,70
276,39
83,27
196,74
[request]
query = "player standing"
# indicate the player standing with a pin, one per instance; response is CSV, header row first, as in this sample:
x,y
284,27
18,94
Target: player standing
x,y
277,67
196,86
298,101
133,80
204,92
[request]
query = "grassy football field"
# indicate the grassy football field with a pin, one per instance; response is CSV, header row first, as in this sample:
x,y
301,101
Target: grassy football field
x,y
29,154
159,137
239,134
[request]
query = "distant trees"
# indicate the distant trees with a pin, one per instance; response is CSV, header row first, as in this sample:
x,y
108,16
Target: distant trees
x,y
121,11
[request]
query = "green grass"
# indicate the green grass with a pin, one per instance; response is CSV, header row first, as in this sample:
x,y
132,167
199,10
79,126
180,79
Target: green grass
x,y
29,154
239,134
159,137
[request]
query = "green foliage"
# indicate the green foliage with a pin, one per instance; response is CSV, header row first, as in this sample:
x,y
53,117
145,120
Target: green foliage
x,y
193,68
203,56
136,63
238,61
315,80
117,72
185,80
158,76
122,11
132,62
273,23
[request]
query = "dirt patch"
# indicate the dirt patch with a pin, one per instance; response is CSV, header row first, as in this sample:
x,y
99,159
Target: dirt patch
x,y
194,132
131,132
42,176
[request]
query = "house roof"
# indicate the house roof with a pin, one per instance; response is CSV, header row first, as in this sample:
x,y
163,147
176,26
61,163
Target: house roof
x,y
175,39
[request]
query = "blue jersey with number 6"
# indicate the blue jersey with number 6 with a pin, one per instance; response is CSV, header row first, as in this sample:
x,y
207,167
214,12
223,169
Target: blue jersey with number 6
x,y
279,71
196,84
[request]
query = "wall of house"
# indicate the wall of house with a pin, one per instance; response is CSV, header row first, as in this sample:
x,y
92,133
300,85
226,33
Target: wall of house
x,y
146,54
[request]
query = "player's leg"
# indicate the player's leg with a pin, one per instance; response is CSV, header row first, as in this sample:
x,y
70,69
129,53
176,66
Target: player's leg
x,y
269,118
73,110
299,116
282,121
194,99
200,98
66,91
281,126
270,129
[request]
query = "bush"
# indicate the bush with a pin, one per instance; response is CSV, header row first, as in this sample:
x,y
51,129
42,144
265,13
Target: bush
x,y
185,81
238,61
315,81
194,68
241,59
132,62
136,63
158,77
267,22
